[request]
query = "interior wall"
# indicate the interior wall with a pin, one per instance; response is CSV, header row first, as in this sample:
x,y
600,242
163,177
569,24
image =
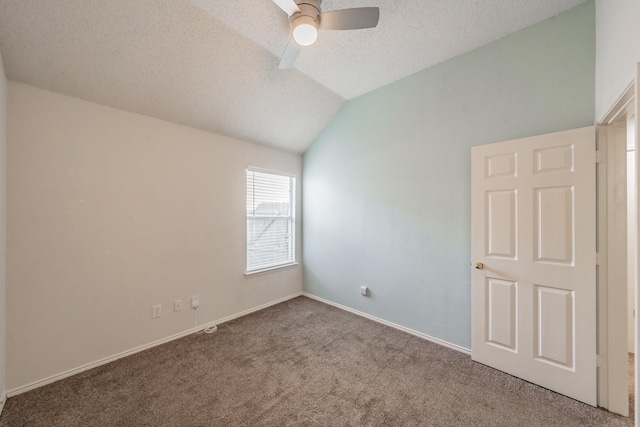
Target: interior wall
x,y
3,226
112,212
387,184
618,50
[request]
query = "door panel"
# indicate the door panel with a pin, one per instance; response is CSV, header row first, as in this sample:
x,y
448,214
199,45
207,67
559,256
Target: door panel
x,y
501,227
502,322
557,159
554,326
553,219
501,166
533,231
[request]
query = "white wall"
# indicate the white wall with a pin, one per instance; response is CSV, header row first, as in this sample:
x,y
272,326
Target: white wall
x,y
111,212
3,225
617,50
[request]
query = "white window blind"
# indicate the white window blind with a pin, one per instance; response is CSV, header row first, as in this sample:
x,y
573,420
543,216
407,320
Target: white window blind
x,y
270,220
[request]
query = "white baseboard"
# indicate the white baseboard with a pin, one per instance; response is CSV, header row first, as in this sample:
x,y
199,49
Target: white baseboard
x,y
3,400
66,374
391,324
104,361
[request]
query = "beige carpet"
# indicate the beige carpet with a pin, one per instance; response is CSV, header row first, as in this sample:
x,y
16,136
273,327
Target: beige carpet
x,y
298,363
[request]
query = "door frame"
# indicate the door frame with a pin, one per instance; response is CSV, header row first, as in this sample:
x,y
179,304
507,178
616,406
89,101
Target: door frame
x,y
637,237
613,375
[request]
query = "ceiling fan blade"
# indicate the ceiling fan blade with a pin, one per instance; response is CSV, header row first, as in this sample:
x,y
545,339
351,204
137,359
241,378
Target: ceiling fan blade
x,y
290,54
350,19
289,6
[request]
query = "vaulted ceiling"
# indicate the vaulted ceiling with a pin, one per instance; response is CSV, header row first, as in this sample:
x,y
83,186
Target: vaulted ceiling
x,y
213,64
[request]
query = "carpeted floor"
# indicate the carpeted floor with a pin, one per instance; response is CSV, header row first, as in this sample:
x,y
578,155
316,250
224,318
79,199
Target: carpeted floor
x,y
632,389
298,363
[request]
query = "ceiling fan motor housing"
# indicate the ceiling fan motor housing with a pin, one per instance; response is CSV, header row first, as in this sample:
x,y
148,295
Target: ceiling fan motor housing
x,y
309,11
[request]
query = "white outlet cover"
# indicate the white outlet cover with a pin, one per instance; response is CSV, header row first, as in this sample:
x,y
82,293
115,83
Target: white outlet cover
x,y
177,305
156,311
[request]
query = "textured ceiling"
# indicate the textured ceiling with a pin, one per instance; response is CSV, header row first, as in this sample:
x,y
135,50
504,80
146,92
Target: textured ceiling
x,y
213,64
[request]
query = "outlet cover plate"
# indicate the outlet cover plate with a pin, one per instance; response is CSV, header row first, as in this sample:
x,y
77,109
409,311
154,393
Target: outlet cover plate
x,y
156,311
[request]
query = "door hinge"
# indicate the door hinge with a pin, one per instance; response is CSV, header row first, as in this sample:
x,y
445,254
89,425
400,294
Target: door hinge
x,y
600,361
601,157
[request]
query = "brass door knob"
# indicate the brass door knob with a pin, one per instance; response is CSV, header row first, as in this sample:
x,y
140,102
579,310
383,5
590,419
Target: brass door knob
x,y
479,265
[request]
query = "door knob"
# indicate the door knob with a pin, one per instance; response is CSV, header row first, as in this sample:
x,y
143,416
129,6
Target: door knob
x,y
479,265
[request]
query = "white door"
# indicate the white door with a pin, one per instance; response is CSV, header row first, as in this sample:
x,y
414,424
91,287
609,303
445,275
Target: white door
x,y
534,249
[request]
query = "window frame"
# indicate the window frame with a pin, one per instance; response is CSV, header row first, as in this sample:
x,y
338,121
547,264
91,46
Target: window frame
x,y
291,261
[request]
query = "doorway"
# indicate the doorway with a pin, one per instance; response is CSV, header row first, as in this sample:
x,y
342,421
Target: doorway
x,y
617,263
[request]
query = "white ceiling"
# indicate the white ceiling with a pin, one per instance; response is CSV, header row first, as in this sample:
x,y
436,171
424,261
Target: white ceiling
x,y
213,64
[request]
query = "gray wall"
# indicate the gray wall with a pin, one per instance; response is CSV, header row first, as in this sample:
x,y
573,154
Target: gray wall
x,y
387,184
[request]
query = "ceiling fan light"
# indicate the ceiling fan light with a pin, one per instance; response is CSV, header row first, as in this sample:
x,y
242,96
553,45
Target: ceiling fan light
x,y
305,30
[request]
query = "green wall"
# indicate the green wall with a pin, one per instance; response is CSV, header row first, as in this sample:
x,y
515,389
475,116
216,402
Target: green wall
x,y
387,184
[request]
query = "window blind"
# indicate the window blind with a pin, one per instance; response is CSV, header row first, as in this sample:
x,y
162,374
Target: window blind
x,y
270,220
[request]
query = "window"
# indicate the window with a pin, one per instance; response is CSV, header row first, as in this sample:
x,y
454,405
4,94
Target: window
x,y
270,220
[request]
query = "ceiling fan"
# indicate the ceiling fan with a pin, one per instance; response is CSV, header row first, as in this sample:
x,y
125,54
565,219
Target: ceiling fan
x,y
306,19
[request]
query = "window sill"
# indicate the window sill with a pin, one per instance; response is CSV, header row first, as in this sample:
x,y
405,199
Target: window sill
x,y
269,270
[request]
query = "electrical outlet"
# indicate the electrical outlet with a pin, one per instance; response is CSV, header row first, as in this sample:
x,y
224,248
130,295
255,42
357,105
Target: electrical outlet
x,y
177,305
157,311
195,302
364,291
